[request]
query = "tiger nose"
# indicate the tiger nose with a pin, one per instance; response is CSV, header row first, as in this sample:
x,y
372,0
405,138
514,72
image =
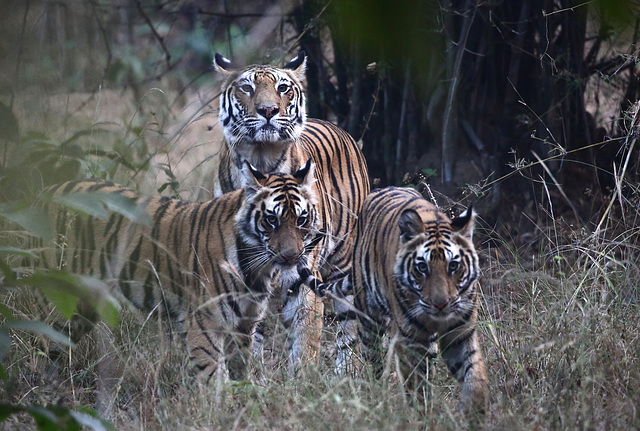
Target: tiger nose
x,y
440,305
290,256
268,111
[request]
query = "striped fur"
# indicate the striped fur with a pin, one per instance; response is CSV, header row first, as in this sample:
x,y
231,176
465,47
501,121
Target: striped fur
x,y
209,265
415,279
263,113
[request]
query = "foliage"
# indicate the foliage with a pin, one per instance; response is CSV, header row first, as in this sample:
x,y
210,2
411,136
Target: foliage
x,y
524,105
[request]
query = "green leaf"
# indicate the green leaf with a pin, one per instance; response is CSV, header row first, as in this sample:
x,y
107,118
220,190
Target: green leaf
x,y
86,203
37,327
93,204
64,289
91,421
19,252
32,219
5,344
3,374
8,124
60,287
101,298
9,274
7,410
128,207
6,312
57,418
54,418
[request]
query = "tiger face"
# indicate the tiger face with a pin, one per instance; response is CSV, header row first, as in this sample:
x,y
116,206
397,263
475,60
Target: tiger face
x,y
262,104
280,228
436,268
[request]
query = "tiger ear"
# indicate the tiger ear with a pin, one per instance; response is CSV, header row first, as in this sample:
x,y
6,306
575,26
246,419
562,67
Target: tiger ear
x,y
464,223
410,225
222,64
251,179
298,66
304,175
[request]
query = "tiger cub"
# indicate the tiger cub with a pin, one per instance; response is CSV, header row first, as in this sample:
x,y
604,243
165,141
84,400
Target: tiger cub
x,y
264,118
208,265
415,278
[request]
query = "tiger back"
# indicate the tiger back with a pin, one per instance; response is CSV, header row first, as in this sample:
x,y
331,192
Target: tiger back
x,y
208,265
415,278
263,115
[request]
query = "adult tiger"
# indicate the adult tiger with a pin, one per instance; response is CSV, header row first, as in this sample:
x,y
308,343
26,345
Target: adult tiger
x,y
208,265
414,277
264,118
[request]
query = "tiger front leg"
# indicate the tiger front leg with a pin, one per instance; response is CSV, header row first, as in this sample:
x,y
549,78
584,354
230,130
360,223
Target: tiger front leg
x,y
461,351
206,345
416,361
302,315
348,360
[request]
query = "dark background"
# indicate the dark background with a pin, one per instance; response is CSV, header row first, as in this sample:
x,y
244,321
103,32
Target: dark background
x,y
468,96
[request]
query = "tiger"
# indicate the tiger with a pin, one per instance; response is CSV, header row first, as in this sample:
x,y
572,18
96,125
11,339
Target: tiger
x,y
264,119
415,279
209,265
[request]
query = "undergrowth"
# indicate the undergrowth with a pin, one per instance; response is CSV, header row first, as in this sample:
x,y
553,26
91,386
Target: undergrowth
x,y
559,328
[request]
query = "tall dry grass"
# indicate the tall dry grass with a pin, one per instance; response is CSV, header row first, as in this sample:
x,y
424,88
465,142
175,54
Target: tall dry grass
x,y
559,327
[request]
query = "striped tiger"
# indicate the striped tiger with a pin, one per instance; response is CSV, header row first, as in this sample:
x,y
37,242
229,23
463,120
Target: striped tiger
x,y
208,265
414,277
263,115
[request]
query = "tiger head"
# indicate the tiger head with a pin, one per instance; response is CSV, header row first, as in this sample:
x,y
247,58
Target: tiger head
x,y
436,268
278,221
262,104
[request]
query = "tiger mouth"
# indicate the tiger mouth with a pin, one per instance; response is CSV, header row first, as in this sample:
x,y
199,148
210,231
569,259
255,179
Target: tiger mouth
x,y
283,263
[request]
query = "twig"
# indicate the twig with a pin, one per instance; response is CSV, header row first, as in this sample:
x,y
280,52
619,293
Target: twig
x,y
560,189
403,115
631,142
373,107
146,18
103,31
447,125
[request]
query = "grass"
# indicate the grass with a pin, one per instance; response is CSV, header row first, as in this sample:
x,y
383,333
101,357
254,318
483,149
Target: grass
x,y
559,328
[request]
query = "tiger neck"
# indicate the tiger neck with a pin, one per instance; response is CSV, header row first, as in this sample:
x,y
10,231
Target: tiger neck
x,y
280,157
257,280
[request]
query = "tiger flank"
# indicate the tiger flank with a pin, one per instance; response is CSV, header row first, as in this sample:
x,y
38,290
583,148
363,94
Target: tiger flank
x,y
208,265
264,118
415,280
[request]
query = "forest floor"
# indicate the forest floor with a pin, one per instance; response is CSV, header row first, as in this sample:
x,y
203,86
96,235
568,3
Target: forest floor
x,y
558,319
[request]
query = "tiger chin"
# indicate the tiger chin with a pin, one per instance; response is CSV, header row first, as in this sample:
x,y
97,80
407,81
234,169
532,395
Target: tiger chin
x,y
414,278
208,265
264,118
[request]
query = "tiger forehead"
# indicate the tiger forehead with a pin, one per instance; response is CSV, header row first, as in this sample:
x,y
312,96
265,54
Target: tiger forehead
x,y
286,204
287,193
437,237
263,75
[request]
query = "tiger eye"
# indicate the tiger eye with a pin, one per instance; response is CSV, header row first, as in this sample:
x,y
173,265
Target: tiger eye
x,y
272,220
453,266
422,267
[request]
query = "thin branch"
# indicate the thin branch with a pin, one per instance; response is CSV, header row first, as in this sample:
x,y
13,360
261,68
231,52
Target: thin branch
x,y
103,31
373,107
155,33
451,104
559,187
630,141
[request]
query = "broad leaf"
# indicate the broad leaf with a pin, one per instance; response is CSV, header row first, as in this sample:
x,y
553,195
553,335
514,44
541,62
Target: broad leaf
x,y
19,252
32,219
5,343
128,207
86,203
37,327
64,289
